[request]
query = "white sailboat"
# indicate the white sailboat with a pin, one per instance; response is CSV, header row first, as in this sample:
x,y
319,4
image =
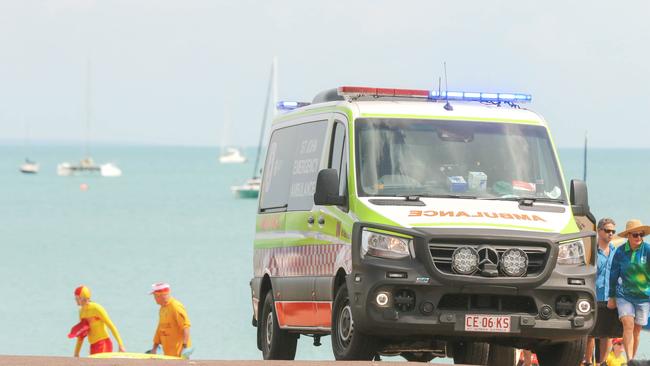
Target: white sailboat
x,y
229,154
87,165
29,166
232,155
251,188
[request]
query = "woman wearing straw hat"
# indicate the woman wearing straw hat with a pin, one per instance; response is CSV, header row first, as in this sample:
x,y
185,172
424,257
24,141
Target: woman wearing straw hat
x,y
629,289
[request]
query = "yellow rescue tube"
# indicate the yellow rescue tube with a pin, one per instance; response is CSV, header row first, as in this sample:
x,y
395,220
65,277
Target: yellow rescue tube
x,y
133,355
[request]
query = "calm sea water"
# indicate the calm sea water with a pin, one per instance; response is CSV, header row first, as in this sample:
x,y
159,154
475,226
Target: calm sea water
x,y
171,217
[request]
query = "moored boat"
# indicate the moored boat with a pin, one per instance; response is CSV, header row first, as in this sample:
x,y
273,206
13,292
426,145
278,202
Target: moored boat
x,y
232,156
250,189
29,167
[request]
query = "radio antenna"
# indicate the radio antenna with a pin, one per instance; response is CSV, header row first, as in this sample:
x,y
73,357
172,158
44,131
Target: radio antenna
x,y
584,160
447,106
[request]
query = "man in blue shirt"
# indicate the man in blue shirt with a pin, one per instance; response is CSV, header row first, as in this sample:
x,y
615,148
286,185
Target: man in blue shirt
x,y
606,230
629,289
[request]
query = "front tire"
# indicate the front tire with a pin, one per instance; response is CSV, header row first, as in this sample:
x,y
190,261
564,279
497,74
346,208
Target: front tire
x,y
471,353
277,344
566,353
347,342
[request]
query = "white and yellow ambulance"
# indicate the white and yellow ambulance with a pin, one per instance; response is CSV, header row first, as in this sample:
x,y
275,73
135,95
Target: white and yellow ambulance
x,y
420,223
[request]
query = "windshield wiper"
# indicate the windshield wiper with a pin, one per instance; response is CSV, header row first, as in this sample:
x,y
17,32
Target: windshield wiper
x,y
547,199
265,209
416,197
525,201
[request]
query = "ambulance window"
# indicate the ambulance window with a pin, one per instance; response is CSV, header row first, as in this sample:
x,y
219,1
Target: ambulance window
x,y
397,157
337,155
338,138
307,151
277,171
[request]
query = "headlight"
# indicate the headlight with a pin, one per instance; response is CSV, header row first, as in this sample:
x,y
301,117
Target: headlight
x,y
572,252
514,262
382,245
464,260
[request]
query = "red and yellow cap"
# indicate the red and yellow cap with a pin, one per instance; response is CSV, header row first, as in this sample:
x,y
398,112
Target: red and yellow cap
x,y
160,288
82,291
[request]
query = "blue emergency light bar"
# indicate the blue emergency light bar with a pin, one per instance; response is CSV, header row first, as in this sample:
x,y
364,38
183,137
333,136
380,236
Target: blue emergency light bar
x,y
288,106
481,97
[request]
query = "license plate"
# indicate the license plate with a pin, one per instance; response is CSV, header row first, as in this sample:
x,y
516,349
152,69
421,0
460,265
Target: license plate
x,y
487,323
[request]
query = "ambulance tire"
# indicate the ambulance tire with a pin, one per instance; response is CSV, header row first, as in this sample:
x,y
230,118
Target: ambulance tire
x,y
348,343
502,356
471,353
566,353
277,344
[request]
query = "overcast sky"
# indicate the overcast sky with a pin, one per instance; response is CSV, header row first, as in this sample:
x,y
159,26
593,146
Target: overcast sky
x,y
167,71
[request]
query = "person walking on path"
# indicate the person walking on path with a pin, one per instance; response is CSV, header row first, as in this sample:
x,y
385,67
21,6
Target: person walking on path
x,y
97,319
173,331
606,229
629,289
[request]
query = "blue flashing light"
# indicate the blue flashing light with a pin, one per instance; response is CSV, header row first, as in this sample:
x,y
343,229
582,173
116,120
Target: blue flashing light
x,y
472,96
481,97
290,105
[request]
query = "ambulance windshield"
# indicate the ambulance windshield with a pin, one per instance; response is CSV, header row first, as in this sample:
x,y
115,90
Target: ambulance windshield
x,y
414,157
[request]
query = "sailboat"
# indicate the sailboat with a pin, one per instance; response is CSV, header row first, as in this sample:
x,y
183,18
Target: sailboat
x,y
29,166
251,188
87,164
229,154
232,155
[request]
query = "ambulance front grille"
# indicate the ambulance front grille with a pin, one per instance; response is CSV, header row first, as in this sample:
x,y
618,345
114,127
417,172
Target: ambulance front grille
x,y
441,255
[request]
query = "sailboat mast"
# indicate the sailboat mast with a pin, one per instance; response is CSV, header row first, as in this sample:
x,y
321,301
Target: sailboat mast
x,y
88,106
225,135
274,82
26,143
270,89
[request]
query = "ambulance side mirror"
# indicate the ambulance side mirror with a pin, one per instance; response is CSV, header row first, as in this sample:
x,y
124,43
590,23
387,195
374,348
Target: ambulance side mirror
x,y
327,189
579,198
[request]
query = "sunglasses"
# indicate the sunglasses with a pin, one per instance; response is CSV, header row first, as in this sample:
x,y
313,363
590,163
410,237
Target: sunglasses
x,y
637,235
611,232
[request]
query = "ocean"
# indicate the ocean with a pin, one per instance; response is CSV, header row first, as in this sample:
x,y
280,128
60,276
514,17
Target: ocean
x,y
171,217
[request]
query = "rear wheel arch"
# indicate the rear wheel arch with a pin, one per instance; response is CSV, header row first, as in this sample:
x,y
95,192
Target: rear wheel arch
x,y
265,287
339,280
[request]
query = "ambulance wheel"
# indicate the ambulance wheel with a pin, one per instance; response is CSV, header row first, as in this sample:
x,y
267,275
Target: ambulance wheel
x,y
566,353
418,356
347,342
471,353
502,356
277,344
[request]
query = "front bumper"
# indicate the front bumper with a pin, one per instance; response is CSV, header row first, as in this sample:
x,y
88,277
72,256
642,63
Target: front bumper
x,y
423,302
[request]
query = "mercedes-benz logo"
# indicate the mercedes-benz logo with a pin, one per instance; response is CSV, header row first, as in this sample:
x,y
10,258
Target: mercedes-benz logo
x,y
488,261
487,255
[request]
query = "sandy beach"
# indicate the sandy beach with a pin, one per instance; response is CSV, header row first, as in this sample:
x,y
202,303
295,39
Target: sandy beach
x,y
71,361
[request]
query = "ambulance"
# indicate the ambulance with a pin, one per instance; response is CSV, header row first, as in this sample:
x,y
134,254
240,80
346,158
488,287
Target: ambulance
x,y
421,224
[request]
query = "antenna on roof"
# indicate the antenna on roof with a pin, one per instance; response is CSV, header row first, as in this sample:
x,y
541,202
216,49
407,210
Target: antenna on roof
x,y
447,105
584,166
